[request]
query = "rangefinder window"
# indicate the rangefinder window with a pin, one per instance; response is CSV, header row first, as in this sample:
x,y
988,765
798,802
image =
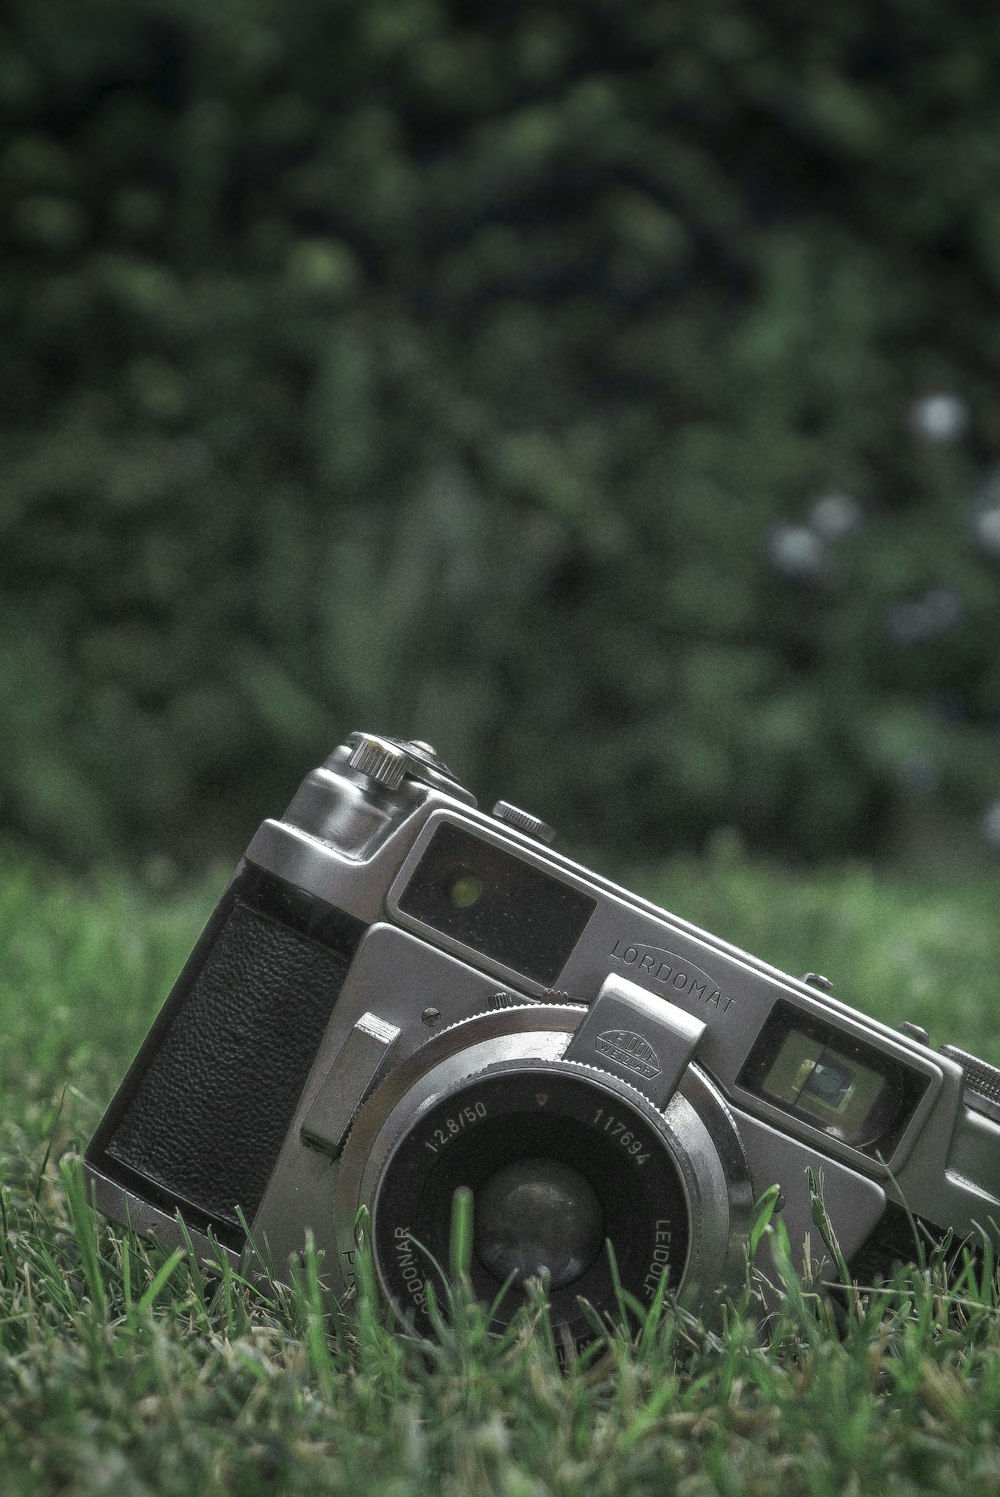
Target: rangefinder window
x,y
497,903
816,1072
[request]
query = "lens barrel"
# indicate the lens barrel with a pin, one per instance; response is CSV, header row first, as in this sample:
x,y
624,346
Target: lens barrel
x,y
496,1124
572,1171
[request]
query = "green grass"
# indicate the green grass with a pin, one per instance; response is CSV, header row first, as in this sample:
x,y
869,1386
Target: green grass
x,y
125,1371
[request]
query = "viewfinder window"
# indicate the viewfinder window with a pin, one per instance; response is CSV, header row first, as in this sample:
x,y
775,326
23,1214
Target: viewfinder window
x,y
818,1073
497,903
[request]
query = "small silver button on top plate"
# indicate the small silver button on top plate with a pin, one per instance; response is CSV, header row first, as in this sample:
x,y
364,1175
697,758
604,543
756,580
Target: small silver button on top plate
x,y
523,821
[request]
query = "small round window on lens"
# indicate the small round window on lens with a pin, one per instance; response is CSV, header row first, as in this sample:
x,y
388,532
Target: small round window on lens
x,y
466,890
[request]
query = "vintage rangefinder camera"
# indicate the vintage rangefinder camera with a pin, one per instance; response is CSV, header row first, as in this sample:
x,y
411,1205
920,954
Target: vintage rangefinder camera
x,y
400,995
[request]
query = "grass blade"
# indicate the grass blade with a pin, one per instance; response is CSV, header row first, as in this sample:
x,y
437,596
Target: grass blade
x,y
85,1227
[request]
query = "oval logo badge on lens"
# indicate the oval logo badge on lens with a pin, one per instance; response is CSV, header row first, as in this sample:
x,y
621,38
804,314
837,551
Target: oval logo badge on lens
x,y
630,1050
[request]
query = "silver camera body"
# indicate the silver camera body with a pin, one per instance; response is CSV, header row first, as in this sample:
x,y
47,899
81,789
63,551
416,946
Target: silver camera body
x,y
400,995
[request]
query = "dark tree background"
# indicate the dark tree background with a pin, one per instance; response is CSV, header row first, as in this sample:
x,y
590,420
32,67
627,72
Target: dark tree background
x,y
608,392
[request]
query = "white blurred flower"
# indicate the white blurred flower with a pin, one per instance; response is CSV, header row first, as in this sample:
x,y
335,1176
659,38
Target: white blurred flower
x,y
922,618
834,515
991,824
796,551
940,417
986,528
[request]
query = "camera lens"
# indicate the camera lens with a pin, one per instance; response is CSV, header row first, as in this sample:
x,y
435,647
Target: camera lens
x,y
559,1161
538,1214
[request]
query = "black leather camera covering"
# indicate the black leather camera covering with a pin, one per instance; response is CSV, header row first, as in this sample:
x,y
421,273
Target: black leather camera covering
x,y
204,1118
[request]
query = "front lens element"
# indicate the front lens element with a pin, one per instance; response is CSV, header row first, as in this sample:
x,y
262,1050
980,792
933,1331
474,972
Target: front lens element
x,y
538,1214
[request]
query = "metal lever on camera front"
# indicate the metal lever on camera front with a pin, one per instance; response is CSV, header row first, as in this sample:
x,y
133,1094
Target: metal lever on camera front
x,y
326,1124
645,1040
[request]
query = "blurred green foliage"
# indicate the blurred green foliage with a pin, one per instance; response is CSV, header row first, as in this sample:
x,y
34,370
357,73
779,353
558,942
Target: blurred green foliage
x,y
609,393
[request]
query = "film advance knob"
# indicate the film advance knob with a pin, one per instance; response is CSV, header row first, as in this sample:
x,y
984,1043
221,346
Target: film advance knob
x,y
387,762
379,758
